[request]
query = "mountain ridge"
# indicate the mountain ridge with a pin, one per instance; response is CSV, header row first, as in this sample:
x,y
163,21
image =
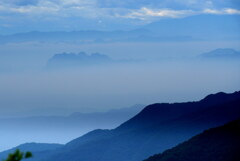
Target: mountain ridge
x,y
193,28
219,143
137,140
221,53
82,59
60,129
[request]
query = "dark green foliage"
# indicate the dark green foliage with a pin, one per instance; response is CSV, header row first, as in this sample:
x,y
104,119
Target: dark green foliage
x,y
28,154
35,149
18,156
220,144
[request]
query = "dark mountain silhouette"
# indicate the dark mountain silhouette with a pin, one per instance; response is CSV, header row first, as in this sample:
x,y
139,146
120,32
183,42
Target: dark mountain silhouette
x,y
226,53
220,143
33,147
156,128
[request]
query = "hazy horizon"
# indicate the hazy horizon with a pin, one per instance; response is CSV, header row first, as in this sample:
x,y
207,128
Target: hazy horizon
x,y
100,88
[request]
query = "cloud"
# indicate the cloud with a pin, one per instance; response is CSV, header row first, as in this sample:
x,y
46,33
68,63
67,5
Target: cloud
x,y
229,11
111,8
28,8
145,13
78,13
59,8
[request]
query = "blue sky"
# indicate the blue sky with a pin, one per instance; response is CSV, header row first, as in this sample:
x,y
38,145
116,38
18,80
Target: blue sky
x,y
68,15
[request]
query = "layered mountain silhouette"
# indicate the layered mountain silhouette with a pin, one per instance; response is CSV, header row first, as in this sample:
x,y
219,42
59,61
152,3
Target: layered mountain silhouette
x,y
201,27
33,147
198,27
223,53
61,129
220,143
90,36
156,128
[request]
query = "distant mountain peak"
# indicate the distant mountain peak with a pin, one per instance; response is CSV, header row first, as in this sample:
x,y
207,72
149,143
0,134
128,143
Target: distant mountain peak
x,y
82,59
221,96
222,53
160,112
212,96
64,60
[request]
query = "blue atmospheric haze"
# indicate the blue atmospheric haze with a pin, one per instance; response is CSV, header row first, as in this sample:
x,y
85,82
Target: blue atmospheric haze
x,y
62,57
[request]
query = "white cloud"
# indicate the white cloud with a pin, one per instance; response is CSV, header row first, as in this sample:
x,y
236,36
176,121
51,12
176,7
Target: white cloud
x,y
35,10
145,13
229,11
86,14
60,8
41,8
232,11
91,9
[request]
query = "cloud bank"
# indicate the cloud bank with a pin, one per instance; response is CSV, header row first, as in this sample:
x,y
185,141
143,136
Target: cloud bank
x,y
80,12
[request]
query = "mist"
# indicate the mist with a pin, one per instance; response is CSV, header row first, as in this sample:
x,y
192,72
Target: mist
x,y
100,88
39,102
27,56
26,95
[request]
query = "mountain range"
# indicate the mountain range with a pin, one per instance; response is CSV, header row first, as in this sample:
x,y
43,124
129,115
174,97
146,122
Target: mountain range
x,y
197,27
221,53
220,143
156,128
72,60
201,27
82,59
60,129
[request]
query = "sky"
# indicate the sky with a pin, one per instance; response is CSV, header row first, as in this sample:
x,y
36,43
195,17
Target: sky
x,y
68,15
